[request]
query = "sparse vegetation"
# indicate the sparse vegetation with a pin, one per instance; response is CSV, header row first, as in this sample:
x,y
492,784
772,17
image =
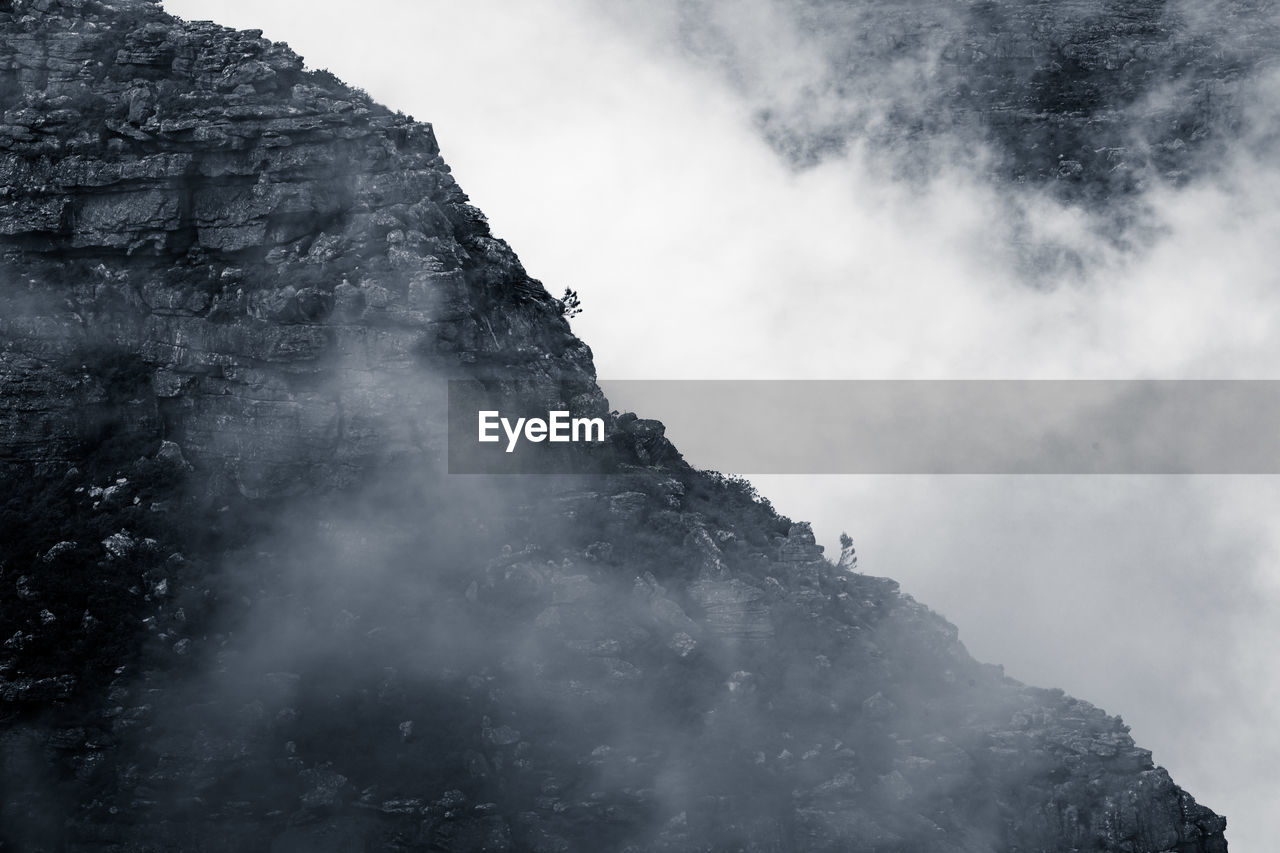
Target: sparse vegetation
x,y
570,304
848,556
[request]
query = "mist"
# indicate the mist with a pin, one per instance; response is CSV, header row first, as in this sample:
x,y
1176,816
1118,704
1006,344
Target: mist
x,y
621,163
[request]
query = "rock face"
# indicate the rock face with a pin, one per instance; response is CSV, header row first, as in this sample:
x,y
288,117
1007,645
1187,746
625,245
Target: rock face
x,y
1090,99
243,608
206,243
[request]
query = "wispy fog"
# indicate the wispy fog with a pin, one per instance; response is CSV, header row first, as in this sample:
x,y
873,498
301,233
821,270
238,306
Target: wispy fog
x,y
622,152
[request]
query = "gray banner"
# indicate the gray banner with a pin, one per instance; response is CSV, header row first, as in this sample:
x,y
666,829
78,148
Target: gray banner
x,y
966,427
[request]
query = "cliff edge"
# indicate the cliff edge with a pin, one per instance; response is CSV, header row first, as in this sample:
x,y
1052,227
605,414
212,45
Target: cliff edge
x,y
243,607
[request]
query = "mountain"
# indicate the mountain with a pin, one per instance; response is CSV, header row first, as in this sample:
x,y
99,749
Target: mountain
x,y
1092,107
1088,99
244,605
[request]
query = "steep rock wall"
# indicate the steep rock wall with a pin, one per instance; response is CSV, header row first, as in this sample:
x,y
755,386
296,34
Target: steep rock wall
x,y
243,609
271,254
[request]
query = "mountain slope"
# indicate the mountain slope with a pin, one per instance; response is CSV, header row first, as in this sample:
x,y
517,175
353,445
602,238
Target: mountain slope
x,y
1092,100
244,607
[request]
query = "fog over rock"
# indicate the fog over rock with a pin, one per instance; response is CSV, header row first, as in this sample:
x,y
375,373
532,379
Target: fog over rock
x,y
1099,96
244,607
1088,104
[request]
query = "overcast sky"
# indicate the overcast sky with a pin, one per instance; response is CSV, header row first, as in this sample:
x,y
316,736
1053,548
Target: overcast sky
x,y
625,171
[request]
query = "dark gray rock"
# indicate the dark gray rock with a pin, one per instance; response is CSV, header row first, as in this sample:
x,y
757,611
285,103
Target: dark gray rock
x,y
230,290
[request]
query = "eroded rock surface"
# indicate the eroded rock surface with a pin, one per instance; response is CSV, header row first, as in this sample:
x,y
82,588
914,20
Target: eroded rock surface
x,y
1093,100
243,608
205,242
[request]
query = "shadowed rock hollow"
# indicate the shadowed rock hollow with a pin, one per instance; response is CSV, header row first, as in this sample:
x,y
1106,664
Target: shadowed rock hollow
x,y
243,607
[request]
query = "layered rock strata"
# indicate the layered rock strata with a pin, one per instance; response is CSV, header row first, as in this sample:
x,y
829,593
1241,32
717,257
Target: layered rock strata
x,y
243,608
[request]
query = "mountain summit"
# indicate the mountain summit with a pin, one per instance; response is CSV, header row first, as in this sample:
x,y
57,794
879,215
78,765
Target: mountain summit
x,y
244,607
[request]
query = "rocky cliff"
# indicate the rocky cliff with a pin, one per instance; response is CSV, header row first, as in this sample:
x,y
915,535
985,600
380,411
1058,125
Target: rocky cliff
x,y
243,607
1091,100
